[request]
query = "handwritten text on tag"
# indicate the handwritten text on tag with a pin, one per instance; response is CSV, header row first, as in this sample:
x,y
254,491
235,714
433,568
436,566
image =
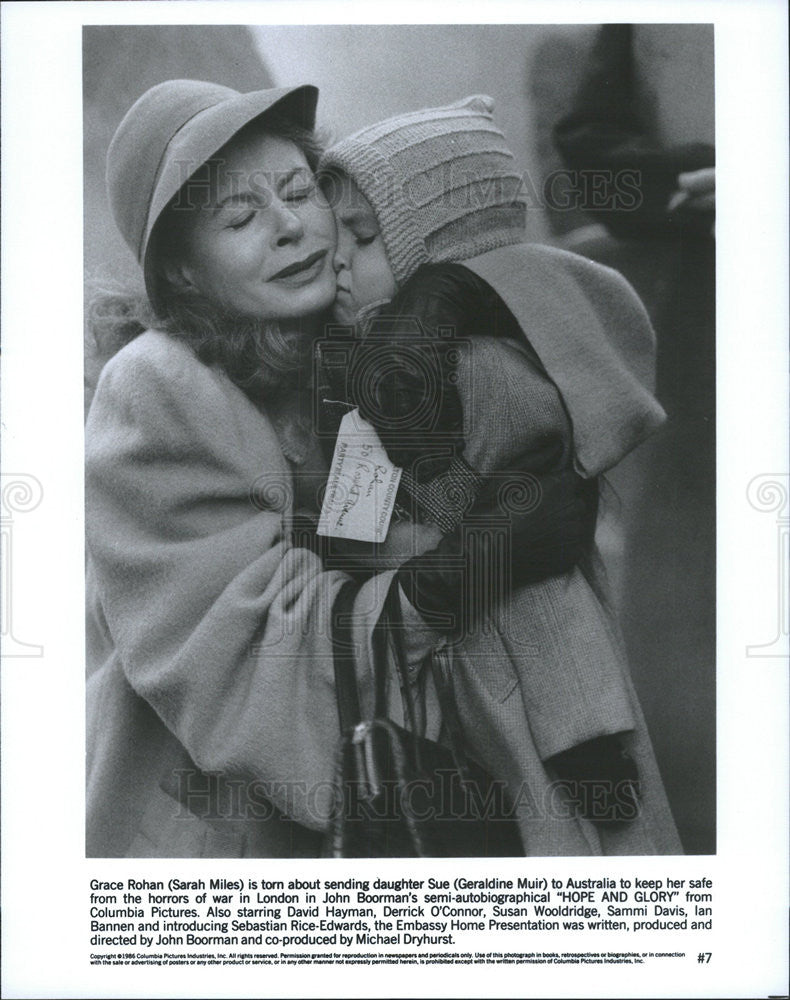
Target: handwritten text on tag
x,y
360,493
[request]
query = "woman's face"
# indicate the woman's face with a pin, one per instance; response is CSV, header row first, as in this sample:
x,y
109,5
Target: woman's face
x,y
260,237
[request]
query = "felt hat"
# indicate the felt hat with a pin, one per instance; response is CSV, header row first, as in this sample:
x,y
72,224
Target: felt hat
x,y
168,134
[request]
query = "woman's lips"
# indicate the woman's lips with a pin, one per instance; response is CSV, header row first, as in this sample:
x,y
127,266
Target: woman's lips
x,y
301,270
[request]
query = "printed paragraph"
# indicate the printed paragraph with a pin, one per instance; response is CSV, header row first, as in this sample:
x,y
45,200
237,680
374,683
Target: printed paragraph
x,y
355,913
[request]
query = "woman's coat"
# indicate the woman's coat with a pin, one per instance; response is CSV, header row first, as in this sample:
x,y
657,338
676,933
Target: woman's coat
x,y
211,690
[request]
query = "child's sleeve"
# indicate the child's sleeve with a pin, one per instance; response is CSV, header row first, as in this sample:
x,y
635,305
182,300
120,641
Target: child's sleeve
x,y
513,414
447,365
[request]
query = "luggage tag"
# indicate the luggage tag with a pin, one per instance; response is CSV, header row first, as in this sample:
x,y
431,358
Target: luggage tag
x,y
360,492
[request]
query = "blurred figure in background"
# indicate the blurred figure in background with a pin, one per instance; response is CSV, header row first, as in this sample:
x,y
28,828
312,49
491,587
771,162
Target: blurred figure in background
x,y
642,123
643,117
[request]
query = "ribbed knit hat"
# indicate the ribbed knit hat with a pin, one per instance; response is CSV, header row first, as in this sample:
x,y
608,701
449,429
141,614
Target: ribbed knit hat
x,y
442,182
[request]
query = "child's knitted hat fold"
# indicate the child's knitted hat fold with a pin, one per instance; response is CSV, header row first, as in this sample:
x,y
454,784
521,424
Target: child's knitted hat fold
x,y
442,182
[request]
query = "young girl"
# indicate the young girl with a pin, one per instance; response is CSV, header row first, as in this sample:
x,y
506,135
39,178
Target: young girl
x,y
553,361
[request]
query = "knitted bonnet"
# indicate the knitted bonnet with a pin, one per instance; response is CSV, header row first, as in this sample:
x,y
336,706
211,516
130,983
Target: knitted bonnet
x,y
442,183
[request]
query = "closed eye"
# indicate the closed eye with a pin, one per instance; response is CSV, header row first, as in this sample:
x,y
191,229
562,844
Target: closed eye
x,y
245,220
299,189
364,241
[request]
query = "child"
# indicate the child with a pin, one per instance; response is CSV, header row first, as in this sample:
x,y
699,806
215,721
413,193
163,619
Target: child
x,y
552,362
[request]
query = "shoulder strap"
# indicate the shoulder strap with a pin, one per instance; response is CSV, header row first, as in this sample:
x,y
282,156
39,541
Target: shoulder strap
x,y
343,656
442,677
388,628
443,680
394,619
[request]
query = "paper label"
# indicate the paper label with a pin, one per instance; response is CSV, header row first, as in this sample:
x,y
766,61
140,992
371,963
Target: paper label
x,y
360,492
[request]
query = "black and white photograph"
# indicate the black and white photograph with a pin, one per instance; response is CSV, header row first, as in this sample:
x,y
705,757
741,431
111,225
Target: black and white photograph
x,y
421,503
460,385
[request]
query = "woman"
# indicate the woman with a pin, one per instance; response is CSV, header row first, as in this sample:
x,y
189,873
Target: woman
x,y
212,717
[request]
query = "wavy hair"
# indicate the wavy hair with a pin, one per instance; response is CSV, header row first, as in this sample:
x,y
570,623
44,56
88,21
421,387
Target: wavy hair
x,y
262,357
